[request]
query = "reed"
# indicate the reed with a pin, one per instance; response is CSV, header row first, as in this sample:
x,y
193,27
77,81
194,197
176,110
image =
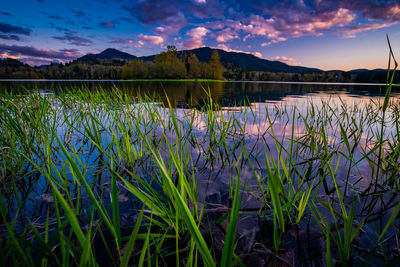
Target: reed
x,y
73,164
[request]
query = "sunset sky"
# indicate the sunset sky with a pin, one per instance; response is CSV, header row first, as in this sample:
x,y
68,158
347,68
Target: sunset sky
x,y
347,34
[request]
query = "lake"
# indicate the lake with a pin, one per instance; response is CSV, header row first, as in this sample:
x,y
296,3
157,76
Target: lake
x,y
314,161
224,93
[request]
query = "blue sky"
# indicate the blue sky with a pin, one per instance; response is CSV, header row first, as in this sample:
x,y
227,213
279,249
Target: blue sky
x,y
342,34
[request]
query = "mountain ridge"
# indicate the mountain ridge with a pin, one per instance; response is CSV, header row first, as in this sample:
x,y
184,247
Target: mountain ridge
x,y
245,61
111,53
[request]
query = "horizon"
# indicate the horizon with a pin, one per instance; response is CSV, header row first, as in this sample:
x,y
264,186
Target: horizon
x,y
328,35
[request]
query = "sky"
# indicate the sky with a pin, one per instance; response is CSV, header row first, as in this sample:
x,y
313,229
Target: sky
x,y
330,35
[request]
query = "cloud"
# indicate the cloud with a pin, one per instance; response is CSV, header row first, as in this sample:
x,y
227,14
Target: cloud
x,y
5,13
119,40
206,9
351,31
107,24
158,12
139,45
196,37
153,39
287,60
228,49
128,42
24,52
226,35
10,37
257,54
387,11
159,30
298,24
5,55
8,28
290,19
11,32
276,21
71,38
55,17
78,13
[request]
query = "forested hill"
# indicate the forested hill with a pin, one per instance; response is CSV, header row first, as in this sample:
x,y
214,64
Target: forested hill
x,y
248,62
111,53
243,61
197,63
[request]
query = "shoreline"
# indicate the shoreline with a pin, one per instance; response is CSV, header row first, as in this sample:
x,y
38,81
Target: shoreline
x,y
195,80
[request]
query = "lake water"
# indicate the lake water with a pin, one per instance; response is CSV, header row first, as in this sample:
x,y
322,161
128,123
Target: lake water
x,y
314,107
224,93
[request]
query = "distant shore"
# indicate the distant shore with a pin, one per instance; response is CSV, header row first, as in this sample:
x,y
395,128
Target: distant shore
x,y
191,80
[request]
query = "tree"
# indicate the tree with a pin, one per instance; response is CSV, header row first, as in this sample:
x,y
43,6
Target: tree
x,y
168,65
193,66
216,66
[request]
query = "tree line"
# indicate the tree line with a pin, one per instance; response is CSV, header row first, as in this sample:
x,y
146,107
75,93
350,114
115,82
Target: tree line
x,y
173,65
169,65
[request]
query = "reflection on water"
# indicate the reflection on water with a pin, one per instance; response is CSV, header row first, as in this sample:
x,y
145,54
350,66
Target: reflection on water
x,y
274,115
223,93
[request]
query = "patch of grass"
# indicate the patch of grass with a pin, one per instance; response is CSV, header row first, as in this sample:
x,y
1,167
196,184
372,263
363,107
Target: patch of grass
x,y
175,80
75,165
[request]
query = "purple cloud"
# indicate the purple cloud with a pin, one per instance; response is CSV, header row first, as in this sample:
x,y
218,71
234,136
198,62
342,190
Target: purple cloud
x,y
279,21
119,40
107,24
55,17
153,39
196,37
78,13
388,11
10,37
30,51
8,28
11,32
71,38
159,12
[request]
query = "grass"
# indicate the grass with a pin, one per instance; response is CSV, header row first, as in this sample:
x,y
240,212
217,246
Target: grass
x,y
75,165
175,80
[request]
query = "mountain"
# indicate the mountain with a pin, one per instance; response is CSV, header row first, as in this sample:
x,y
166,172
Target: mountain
x,y
358,70
249,62
10,62
111,53
48,65
243,61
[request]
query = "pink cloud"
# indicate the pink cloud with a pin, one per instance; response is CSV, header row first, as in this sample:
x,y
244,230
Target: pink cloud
x,y
35,56
388,11
226,35
287,60
280,28
197,35
153,39
139,45
351,31
228,49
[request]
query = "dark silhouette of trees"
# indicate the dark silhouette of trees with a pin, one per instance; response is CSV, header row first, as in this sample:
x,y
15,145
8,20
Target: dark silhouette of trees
x,y
169,64
215,66
175,65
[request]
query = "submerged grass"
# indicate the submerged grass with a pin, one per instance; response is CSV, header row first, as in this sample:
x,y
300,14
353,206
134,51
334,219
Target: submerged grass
x,y
100,178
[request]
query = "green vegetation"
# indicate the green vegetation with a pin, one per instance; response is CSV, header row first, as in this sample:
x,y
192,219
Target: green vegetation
x,y
90,151
197,63
168,65
90,177
176,80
